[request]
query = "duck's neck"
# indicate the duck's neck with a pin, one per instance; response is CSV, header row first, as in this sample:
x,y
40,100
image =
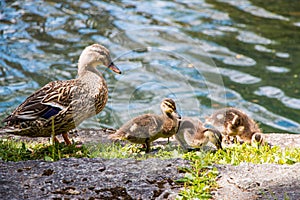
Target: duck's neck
x,y
170,126
86,69
170,122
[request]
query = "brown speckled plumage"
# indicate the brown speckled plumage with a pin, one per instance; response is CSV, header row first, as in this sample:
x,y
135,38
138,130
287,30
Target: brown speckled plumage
x,y
234,122
68,102
192,134
148,127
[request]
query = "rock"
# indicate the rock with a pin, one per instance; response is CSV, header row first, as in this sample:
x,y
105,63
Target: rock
x,y
91,179
284,140
258,181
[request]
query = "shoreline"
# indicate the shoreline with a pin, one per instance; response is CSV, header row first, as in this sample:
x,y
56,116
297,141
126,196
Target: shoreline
x,y
244,181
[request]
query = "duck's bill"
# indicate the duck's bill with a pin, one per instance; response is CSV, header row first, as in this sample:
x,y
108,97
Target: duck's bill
x,y
113,67
218,144
177,115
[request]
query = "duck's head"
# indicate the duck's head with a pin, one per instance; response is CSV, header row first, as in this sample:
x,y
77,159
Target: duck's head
x,y
168,108
257,138
214,136
95,55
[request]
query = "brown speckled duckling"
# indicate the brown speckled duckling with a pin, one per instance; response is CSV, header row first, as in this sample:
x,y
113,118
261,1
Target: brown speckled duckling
x,y
192,134
64,104
146,128
234,122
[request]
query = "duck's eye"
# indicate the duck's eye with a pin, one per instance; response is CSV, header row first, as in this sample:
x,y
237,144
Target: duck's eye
x,y
169,112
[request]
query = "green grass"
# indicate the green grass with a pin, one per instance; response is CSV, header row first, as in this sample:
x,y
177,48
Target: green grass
x,y
16,150
132,151
12,150
199,180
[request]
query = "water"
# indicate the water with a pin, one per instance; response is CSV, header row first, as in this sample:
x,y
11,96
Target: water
x,y
205,55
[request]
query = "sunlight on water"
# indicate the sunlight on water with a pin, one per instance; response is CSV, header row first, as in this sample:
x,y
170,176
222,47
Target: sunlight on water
x,y
205,55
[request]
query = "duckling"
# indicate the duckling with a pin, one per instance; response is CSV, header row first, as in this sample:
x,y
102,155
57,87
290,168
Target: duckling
x,y
64,104
233,122
193,134
146,128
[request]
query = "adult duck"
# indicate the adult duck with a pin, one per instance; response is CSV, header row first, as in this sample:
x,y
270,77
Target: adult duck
x,y
63,105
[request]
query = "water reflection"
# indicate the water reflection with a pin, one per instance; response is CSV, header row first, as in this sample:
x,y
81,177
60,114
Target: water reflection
x,y
170,50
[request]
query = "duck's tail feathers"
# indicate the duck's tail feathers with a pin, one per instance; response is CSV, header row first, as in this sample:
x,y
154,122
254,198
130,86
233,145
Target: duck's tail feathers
x,y
11,130
6,130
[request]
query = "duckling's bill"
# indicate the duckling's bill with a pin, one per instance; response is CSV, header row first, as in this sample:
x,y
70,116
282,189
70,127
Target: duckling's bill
x,y
177,115
114,68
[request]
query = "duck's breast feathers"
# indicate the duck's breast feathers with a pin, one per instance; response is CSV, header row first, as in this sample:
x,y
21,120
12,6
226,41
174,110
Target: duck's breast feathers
x,y
44,103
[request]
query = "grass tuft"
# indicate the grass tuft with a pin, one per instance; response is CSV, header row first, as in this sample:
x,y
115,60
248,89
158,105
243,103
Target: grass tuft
x,y
14,150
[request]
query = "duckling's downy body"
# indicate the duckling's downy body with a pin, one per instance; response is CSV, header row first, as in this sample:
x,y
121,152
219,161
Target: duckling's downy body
x,y
234,122
146,128
64,104
192,134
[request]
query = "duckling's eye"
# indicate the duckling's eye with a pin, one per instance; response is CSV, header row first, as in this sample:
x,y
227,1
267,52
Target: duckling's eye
x,y
169,111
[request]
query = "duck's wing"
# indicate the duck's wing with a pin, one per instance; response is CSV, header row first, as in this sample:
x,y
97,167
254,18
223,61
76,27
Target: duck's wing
x,y
44,103
143,126
148,124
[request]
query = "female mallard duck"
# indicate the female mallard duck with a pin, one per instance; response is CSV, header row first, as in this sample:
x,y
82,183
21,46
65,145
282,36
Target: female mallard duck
x,y
234,122
64,104
148,127
192,134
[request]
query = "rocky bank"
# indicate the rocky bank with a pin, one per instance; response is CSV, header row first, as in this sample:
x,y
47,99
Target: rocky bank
x,y
147,179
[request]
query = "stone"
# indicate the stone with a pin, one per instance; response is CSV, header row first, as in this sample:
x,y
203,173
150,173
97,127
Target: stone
x,y
81,178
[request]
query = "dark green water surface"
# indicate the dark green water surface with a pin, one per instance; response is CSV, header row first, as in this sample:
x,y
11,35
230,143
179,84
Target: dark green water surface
x,y
204,54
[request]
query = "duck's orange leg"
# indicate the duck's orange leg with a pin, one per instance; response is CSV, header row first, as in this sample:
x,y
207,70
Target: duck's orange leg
x,y
56,140
66,138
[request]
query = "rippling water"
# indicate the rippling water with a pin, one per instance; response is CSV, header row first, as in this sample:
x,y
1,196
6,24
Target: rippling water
x,y
205,55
